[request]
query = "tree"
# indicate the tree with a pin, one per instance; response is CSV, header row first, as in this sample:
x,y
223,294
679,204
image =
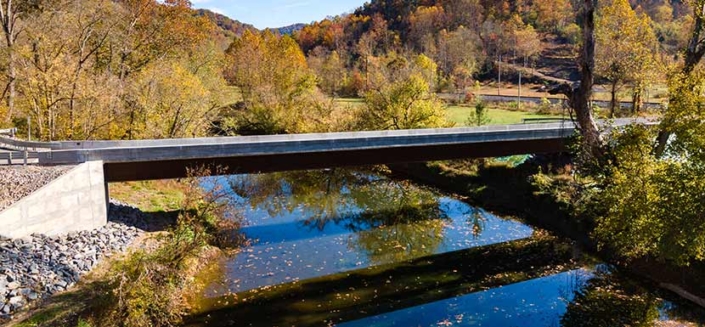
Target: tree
x,y
56,86
652,198
10,14
527,42
81,66
426,21
277,88
405,104
329,69
464,13
551,15
653,207
179,98
458,56
479,116
626,47
694,53
579,96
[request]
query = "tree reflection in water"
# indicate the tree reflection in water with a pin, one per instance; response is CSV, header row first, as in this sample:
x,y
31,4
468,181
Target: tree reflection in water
x,y
321,193
393,220
611,300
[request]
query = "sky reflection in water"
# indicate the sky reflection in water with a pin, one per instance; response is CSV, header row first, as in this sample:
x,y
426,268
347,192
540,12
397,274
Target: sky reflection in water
x,y
319,223
536,302
292,241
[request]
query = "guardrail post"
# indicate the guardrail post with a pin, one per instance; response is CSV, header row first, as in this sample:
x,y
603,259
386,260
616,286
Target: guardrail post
x,y
25,156
9,158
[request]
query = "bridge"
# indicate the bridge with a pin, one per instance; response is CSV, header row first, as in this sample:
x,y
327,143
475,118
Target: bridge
x,y
78,199
161,159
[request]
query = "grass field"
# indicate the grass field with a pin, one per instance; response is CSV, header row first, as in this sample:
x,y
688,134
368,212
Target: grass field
x,y
459,115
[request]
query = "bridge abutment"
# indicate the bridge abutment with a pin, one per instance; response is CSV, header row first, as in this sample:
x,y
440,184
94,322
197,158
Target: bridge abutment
x,y
75,201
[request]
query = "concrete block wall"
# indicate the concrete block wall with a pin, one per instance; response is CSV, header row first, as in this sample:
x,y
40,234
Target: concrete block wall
x,y
75,201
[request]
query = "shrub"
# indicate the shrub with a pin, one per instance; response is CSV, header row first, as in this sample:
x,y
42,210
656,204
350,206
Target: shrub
x,y
479,116
145,289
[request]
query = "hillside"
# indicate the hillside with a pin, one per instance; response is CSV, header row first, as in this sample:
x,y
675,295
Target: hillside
x,y
291,29
476,32
229,26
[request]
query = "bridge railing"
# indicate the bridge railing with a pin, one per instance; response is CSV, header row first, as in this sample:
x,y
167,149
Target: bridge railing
x,y
10,132
66,152
20,149
88,145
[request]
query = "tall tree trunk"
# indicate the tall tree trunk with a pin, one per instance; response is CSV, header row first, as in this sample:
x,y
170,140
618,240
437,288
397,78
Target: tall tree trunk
x,y
613,98
693,54
637,98
579,97
583,110
12,76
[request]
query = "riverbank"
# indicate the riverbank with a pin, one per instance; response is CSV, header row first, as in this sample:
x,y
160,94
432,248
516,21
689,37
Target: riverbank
x,y
35,268
508,191
147,254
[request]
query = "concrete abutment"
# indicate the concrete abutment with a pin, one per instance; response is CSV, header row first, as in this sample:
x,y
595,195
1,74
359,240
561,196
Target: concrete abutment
x,y
75,201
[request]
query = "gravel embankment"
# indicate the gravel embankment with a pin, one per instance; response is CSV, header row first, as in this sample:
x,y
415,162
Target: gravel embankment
x,y
36,267
17,182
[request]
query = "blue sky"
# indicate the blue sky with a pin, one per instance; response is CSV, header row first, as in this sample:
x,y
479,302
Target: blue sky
x,y
278,13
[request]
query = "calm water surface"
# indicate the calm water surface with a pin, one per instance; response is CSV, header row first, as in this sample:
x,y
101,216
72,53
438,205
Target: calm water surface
x,y
355,248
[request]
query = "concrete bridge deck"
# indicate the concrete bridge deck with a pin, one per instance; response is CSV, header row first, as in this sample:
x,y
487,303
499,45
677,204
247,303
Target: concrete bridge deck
x,y
159,159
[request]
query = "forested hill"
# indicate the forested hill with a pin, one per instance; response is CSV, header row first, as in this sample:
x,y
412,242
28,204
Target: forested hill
x,y
291,29
414,24
229,26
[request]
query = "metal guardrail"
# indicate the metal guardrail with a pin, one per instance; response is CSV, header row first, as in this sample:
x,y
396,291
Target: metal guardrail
x,y
10,131
20,149
25,156
20,144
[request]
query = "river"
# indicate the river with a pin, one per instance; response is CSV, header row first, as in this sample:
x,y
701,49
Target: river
x,y
349,247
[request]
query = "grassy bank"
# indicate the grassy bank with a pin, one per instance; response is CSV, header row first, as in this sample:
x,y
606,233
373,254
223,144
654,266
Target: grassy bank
x,y
151,196
151,283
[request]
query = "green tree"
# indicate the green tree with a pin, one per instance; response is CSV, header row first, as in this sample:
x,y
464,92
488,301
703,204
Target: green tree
x,y
479,116
626,50
277,88
651,198
693,54
406,104
653,206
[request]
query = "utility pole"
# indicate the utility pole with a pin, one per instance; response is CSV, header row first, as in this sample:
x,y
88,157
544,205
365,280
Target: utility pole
x,y
29,128
520,72
499,75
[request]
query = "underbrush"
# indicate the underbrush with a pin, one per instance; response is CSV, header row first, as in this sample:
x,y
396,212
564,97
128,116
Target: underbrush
x,y
147,287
